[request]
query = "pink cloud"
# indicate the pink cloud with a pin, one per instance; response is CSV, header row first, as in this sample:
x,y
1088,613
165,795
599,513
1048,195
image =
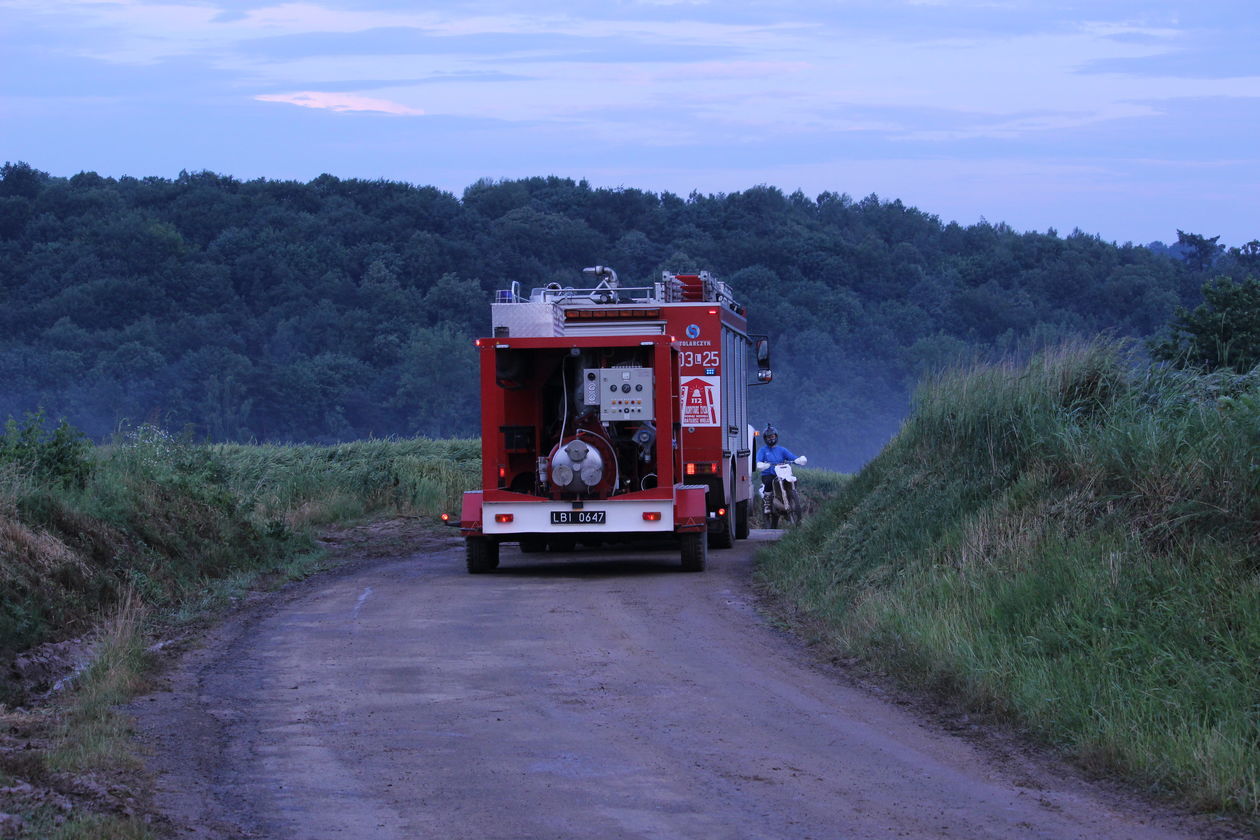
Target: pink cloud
x,y
340,102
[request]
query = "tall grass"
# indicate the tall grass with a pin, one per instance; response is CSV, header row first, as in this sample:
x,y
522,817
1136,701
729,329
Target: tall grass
x,y
1070,542
151,515
315,485
165,518
92,734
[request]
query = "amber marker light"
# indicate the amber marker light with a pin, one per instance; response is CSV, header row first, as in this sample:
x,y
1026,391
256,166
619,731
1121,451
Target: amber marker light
x,y
446,517
651,516
721,511
503,517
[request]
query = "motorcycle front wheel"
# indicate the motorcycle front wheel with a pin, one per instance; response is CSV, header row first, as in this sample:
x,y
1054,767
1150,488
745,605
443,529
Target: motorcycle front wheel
x,y
794,512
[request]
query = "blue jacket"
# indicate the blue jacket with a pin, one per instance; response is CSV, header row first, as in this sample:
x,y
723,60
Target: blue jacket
x,y
774,455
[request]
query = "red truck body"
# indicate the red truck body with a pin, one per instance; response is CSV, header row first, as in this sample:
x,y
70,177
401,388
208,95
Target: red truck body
x,y
612,414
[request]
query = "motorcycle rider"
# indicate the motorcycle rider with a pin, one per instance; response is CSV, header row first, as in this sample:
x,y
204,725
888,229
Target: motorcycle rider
x,y
770,454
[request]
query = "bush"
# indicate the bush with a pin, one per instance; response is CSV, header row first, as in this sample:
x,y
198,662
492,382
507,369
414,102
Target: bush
x,y
1221,332
61,456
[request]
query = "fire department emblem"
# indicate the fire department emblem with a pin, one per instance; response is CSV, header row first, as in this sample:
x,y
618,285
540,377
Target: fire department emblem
x,y
700,401
693,331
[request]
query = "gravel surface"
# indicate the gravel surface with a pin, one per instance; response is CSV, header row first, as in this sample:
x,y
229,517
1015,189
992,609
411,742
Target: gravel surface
x,y
594,694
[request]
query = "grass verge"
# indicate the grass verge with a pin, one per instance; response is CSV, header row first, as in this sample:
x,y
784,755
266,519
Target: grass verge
x,y
106,547
1069,544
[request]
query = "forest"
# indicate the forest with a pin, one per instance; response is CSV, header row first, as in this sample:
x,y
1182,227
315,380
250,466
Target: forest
x,y
340,309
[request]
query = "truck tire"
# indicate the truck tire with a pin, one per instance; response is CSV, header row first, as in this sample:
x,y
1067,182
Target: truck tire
x,y
483,555
695,552
741,520
724,537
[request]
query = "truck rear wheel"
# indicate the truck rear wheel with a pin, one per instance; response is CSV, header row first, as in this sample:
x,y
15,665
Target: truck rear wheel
x,y
695,552
741,520
724,537
483,555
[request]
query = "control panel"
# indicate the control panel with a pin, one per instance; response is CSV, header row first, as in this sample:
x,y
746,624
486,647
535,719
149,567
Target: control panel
x,y
623,393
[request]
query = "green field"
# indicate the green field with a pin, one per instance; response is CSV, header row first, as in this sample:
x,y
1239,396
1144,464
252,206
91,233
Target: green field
x,y
170,522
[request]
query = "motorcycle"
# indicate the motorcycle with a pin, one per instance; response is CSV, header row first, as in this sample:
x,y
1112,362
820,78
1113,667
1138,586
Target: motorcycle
x,y
785,502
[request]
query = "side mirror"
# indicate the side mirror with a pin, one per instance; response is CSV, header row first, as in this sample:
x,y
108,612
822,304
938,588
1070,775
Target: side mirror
x,y
761,350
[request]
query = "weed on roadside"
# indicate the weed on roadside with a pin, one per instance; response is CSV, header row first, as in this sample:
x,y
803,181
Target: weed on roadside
x,y
93,735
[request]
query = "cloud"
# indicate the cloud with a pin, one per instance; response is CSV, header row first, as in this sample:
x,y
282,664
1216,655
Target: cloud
x,y
142,32
355,84
710,95
752,67
340,102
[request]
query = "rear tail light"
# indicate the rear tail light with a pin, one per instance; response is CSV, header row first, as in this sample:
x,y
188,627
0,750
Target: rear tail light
x,y
721,511
651,516
503,517
702,468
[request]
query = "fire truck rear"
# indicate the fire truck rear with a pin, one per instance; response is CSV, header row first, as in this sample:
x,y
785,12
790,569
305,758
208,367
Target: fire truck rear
x,y
611,414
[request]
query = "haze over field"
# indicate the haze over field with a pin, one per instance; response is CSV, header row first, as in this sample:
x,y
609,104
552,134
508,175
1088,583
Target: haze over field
x,y
1126,119
285,311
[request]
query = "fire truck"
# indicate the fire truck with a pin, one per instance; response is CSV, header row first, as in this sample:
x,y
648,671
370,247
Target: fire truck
x,y
612,414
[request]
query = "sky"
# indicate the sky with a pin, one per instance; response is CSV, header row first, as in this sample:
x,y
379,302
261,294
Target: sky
x,y
1124,118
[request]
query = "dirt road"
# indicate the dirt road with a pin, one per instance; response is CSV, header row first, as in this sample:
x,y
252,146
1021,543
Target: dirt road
x,y
567,698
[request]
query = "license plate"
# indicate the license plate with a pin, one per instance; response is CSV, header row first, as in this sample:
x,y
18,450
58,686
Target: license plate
x,y
577,517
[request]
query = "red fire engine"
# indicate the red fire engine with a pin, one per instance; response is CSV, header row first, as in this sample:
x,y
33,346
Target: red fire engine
x,y
610,414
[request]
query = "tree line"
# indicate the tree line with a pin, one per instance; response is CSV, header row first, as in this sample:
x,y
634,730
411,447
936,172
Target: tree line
x,y
336,309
